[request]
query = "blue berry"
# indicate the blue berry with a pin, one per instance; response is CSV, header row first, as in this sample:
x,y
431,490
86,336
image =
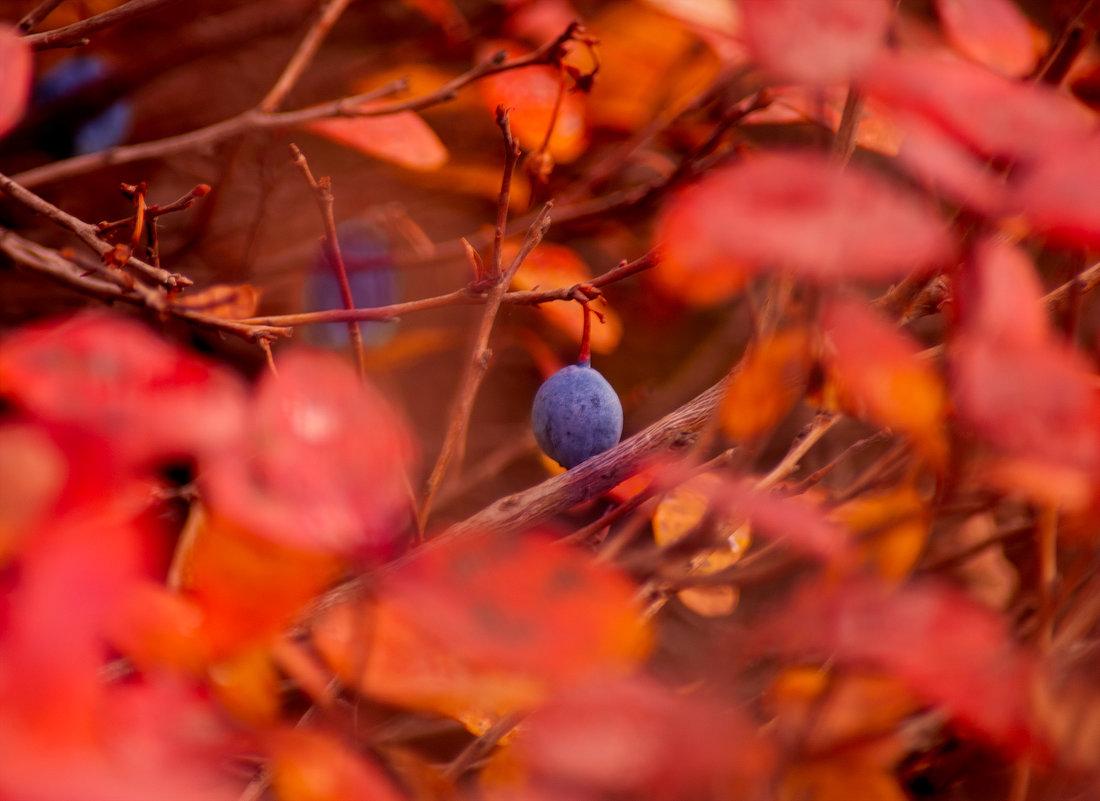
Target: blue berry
x,y
576,414
372,276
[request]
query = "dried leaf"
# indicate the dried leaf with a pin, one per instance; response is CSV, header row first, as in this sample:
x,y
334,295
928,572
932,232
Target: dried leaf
x,y
993,32
403,138
797,213
820,42
878,375
229,301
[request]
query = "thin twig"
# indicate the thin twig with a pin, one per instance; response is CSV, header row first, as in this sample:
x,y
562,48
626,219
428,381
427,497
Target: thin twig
x,y
86,232
322,190
844,144
75,34
255,119
478,364
302,57
33,17
481,747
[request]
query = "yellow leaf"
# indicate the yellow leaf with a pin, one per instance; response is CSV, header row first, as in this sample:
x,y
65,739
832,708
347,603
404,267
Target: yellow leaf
x,y
891,526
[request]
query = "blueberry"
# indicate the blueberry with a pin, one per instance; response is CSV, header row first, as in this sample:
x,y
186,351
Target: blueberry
x,y
372,276
576,414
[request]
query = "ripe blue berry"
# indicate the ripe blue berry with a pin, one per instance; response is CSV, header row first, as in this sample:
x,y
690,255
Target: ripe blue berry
x,y
576,414
92,129
372,276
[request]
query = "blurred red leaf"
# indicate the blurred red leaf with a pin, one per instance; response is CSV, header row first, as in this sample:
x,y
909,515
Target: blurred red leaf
x,y
632,739
999,117
950,650
15,83
312,765
951,168
1000,298
322,461
993,32
523,604
1053,193
530,95
403,139
146,397
814,41
797,213
878,375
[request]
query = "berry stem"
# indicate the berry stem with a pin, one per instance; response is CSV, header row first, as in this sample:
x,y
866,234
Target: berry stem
x,y
585,357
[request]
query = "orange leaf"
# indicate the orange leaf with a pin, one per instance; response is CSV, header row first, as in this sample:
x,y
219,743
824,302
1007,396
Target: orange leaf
x,y
15,83
820,42
403,138
530,95
247,687
891,527
879,375
795,212
551,266
230,301
311,765
771,380
523,604
993,32
376,647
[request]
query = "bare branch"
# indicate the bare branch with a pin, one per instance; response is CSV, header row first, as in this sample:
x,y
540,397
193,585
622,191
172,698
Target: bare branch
x,y
75,34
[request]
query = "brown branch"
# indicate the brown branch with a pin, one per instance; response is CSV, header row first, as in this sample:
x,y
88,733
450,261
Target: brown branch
x,y
87,233
478,364
33,17
255,119
53,265
302,57
75,34
322,190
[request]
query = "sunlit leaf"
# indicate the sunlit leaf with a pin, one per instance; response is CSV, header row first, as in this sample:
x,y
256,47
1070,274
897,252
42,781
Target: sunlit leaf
x,y
247,686
551,266
879,376
112,376
997,116
231,301
993,32
530,94
797,213
771,380
819,42
321,464
719,15
311,765
15,85
403,138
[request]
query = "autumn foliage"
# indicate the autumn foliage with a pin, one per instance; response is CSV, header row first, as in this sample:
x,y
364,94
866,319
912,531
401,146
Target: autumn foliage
x,y
836,257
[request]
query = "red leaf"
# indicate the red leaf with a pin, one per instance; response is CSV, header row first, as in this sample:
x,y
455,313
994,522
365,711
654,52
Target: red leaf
x,y
947,166
636,739
798,213
111,376
523,604
15,77
949,649
1000,298
322,464
1054,193
1001,118
310,765
530,95
814,41
403,139
993,32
